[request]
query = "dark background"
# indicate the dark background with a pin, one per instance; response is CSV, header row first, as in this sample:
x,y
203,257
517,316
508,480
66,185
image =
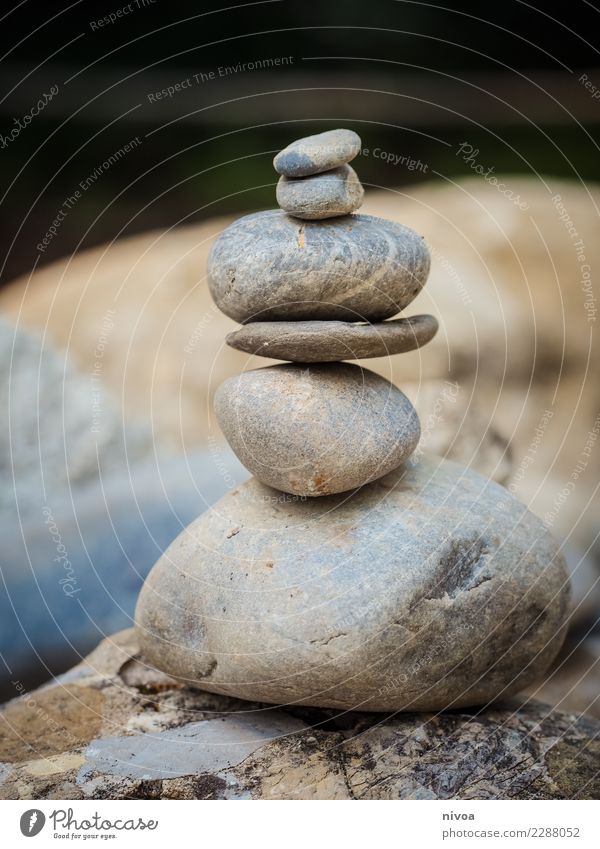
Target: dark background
x,y
413,78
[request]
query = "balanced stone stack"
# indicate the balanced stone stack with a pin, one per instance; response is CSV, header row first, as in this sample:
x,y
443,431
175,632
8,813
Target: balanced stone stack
x,y
345,573
312,284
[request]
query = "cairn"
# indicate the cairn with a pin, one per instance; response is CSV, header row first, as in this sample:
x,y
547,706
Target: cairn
x,y
343,574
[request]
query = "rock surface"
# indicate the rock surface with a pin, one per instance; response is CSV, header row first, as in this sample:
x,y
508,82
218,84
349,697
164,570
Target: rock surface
x,y
430,588
314,154
337,192
316,430
270,266
114,728
331,341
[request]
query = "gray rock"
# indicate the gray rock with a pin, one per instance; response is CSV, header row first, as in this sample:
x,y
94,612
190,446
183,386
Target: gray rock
x,y
316,430
331,341
328,195
270,266
314,154
432,588
59,428
89,503
126,731
76,570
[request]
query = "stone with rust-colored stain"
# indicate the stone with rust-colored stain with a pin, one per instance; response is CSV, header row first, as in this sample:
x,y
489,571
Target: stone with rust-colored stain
x,y
49,722
319,429
337,192
332,341
271,267
430,588
526,751
318,153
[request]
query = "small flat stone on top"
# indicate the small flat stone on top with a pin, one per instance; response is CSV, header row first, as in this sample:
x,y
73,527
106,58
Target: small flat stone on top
x,y
332,341
336,192
314,154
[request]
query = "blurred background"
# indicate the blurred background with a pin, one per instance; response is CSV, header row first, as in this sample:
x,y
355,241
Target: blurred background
x,y
413,77
131,134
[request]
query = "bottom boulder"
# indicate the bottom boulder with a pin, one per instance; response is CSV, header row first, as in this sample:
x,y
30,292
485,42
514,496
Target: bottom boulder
x,y
431,588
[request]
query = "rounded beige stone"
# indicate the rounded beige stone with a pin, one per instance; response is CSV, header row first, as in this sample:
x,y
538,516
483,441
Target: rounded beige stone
x,y
316,430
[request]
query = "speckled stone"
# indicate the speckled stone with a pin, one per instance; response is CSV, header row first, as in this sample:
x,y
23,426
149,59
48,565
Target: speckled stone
x,y
315,154
331,341
431,588
316,430
271,266
337,192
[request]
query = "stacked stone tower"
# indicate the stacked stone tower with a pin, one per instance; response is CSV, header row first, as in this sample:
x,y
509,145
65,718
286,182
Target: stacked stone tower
x,y
312,284
343,574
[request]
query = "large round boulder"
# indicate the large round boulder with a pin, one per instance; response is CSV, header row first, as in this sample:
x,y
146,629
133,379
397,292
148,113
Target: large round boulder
x,y
431,588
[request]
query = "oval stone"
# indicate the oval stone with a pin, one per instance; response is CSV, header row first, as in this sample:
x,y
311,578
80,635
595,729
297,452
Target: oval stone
x,y
316,430
328,195
331,341
432,588
314,154
270,266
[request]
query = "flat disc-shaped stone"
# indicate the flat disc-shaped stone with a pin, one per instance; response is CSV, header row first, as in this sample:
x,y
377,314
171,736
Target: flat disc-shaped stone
x,y
269,266
332,341
314,154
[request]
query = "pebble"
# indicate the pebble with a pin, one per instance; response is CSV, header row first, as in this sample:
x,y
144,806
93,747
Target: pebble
x,y
331,341
315,154
432,588
270,266
337,192
316,430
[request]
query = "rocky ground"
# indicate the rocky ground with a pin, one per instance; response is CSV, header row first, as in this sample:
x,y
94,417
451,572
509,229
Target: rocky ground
x,y
115,728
